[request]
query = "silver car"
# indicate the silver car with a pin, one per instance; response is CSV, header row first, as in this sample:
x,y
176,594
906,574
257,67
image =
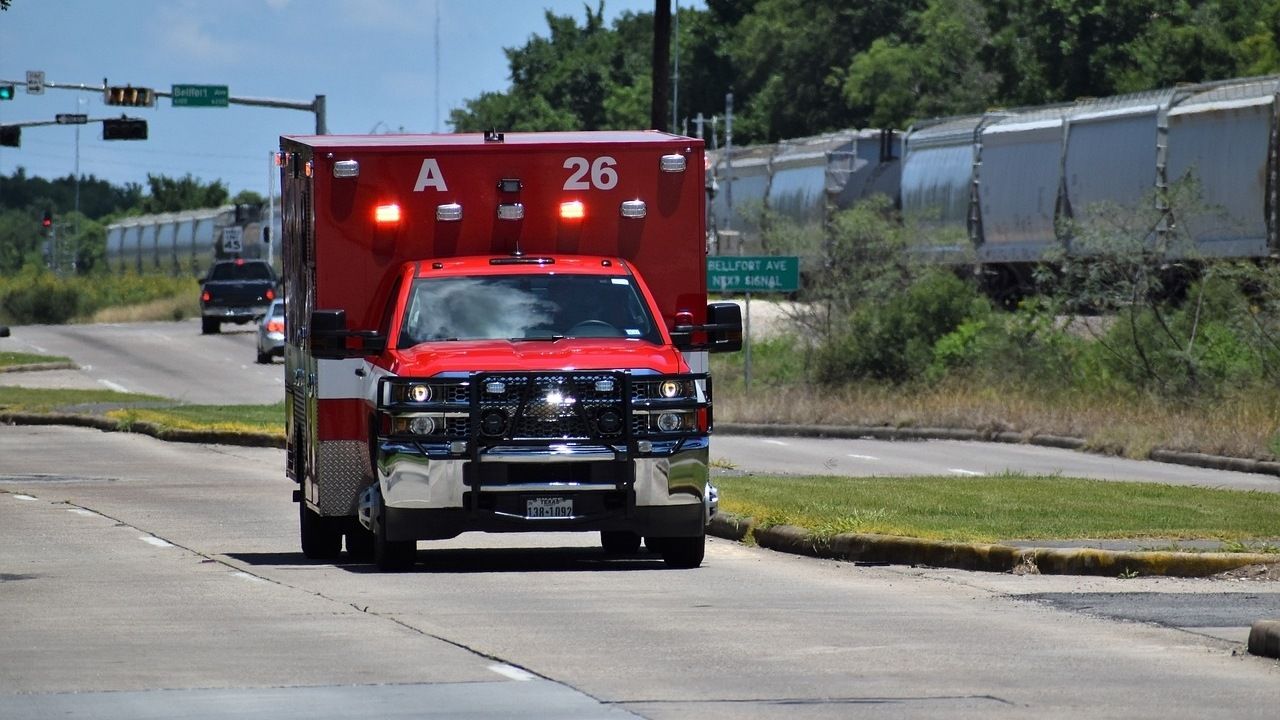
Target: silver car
x,y
271,332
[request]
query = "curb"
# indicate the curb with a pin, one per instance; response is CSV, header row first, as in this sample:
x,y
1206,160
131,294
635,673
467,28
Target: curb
x,y
866,547
884,432
1264,638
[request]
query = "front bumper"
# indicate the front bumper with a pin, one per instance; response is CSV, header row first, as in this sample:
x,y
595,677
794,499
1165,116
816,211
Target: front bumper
x,y
430,493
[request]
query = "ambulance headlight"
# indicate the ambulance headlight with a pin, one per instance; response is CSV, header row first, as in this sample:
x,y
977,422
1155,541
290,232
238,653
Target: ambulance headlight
x,y
419,392
422,425
669,389
670,422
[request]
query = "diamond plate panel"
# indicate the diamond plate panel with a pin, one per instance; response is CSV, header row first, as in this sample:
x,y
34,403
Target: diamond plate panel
x,y
342,467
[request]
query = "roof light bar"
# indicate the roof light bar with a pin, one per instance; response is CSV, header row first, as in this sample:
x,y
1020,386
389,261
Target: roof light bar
x,y
672,163
634,209
451,212
346,169
511,211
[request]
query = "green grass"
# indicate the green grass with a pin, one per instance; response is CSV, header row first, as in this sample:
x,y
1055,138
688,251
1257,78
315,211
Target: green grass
x,y
223,418
45,399
11,359
129,408
989,509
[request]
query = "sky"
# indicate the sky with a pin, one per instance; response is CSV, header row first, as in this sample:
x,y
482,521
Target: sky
x,y
373,60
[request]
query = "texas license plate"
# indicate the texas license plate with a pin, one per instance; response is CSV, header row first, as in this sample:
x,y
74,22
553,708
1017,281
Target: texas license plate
x,y
549,507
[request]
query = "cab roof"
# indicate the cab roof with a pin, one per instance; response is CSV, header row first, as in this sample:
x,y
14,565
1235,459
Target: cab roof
x,y
513,265
477,140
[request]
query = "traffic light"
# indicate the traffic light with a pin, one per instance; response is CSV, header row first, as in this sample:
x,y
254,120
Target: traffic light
x,y
6,92
129,96
10,135
124,129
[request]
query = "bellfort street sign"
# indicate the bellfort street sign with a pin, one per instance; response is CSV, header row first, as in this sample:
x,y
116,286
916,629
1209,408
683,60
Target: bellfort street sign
x,y
746,274
200,95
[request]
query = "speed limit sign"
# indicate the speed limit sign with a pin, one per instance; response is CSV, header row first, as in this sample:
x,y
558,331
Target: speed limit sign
x,y
232,239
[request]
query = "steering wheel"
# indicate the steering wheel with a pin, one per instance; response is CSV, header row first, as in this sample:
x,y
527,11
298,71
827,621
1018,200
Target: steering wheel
x,y
594,328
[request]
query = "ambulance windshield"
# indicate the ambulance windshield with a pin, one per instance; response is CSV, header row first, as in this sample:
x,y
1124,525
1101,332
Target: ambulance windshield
x,y
525,308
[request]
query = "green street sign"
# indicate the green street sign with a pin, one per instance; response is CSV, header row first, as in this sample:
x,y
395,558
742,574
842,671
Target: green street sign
x,y
744,274
200,95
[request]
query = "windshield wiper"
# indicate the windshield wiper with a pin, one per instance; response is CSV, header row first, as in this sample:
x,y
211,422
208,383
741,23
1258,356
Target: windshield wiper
x,y
537,338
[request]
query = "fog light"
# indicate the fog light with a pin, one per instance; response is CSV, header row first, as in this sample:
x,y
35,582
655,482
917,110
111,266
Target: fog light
x,y
670,422
493,423
609,421
419,393
423,425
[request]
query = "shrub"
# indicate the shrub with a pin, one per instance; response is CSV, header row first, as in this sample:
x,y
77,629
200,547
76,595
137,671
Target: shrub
x,y
894,339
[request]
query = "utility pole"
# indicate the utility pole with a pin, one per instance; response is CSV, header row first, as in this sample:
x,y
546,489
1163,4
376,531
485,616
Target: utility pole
x,y
675,61
661,63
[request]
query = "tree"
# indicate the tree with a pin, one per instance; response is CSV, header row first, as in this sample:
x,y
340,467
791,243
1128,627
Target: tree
x,y
186,193
576,78
939,72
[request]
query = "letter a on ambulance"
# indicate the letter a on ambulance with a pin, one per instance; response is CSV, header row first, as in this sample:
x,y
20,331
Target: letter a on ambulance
x,y
430,176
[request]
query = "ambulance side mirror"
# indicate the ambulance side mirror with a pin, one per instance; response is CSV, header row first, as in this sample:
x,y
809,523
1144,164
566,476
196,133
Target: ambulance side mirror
x,y
724,327
331,340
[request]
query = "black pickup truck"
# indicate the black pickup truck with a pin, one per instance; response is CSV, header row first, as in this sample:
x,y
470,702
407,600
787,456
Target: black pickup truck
x,y
235,291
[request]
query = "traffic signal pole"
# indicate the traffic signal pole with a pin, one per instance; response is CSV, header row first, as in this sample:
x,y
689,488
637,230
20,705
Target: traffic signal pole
x,y
316,106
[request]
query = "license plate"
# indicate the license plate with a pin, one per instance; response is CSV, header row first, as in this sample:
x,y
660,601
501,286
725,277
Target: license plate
x,y
551,507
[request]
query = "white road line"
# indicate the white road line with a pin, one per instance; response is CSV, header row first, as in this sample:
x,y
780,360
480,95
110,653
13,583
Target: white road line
x,y
114,386
962,471
150,540
39,349
776,442
82,511
22,497
863,457
514,673
246,576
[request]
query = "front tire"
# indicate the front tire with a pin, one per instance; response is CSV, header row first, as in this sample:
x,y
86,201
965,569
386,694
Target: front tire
x,y
683,552
620,542
391,555
321,537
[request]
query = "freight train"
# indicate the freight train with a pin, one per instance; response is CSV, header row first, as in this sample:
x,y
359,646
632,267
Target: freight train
x,y
188,242
1002,191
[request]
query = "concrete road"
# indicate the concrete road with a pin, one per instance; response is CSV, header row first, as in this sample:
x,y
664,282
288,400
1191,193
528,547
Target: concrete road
x,y
867,458
169,359
137,577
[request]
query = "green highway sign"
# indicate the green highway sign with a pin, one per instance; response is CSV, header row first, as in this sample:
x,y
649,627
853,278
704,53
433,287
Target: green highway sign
x,y
200,95
745,274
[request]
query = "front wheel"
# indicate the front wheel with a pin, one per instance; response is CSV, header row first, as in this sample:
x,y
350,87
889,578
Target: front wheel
x,y
321,536
683,552
620,542
391,555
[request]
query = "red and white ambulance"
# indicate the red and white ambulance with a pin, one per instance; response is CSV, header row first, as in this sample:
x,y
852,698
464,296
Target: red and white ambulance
x,y
499,333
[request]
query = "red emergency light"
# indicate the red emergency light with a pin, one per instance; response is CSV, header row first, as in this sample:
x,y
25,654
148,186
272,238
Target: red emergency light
x,y
572,210
387,214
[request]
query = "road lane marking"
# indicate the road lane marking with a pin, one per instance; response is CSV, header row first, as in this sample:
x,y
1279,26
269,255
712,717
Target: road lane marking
x,y
39,349
863,457
152,540
962,471
514,673
776,442
246,576
22,497
82,511
114,386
